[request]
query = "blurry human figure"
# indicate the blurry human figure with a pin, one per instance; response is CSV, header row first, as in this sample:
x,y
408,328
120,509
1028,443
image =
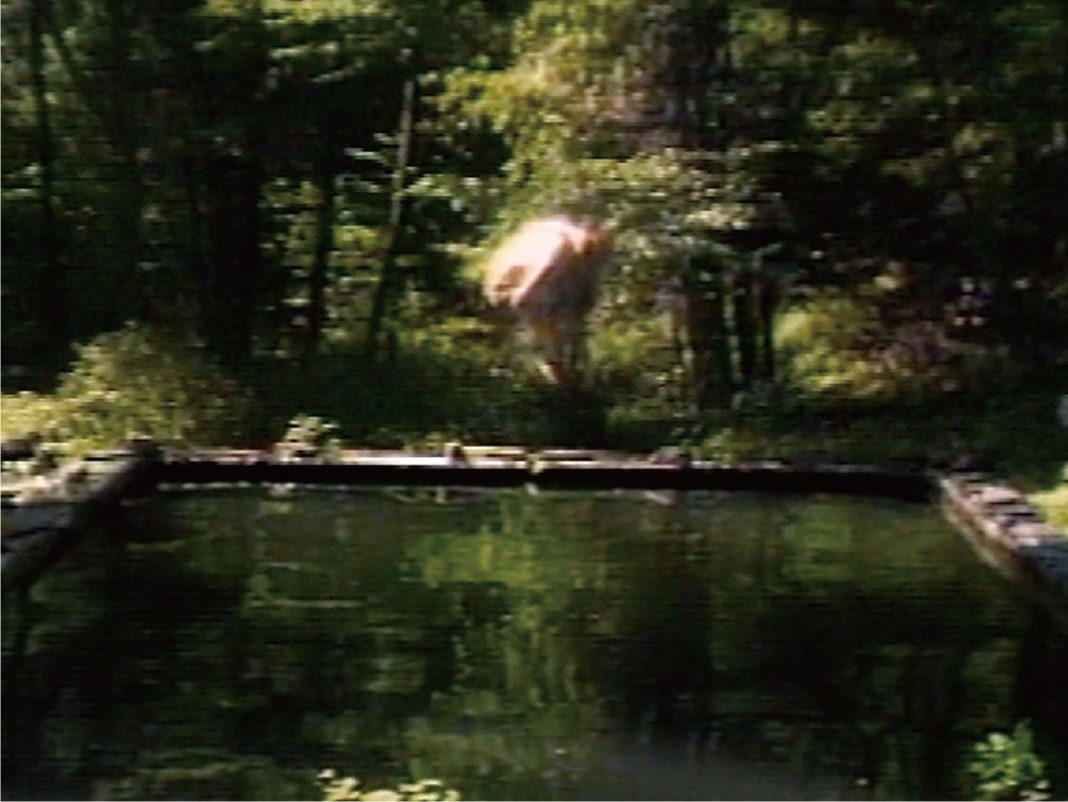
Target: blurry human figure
x,y
547,275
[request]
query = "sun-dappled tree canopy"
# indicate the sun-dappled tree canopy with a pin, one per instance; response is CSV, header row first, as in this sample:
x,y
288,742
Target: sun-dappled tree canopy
x,y
865,198
811,231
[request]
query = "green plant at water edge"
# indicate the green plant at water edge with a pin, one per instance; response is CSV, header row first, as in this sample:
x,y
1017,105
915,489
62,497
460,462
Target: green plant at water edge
x,y
343,789
1054,500
137,381
312,432
1007,767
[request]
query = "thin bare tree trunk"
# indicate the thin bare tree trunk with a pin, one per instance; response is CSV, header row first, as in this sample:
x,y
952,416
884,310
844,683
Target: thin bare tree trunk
x,y
745,329
389,282
769,300
53,288
324,245
710,343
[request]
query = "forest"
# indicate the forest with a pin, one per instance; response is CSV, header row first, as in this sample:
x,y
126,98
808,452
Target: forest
x,y
839,227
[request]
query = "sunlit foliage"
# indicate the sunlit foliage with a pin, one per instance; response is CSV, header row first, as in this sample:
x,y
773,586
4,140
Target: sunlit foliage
x,y
344,789
1007,767
136,382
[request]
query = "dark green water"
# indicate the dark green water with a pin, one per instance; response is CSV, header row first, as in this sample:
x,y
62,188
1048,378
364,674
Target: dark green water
x,y
231,645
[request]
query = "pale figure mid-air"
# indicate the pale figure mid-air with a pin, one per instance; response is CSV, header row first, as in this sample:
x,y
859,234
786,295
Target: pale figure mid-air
x,y
547,275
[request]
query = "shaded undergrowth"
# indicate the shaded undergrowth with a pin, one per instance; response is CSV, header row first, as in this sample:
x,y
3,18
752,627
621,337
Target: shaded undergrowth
x,y
452,382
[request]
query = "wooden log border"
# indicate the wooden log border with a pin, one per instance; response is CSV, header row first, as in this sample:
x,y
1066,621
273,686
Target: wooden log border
x,y
1005,529
548,469
40,525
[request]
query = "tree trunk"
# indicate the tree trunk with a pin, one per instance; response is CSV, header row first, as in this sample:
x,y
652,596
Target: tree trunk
x,y
745,330
197,236
235,177
713,373
769,300
52,286
324,245
129,198
389,281
234,187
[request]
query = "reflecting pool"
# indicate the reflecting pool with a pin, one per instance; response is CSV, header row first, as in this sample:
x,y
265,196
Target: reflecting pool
x,y
232,644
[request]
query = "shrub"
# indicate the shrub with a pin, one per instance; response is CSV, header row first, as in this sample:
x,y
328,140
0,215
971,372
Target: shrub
x,y
312,432
347,789
840,345
1007,767
821,340
138,381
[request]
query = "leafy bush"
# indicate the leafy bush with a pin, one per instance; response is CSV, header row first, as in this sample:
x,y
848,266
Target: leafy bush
x,y
312,432
136,381
347,789
840,345
27,413
635,361
823,342
1054,501
1007,767
465,342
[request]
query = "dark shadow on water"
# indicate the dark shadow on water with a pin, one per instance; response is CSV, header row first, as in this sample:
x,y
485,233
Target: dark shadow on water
x,y
557,646
629,769
68,686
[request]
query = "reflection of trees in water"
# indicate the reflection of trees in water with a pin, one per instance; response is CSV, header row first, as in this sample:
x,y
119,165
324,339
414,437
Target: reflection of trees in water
x,y
513,645
632,620
73,687
800,633
1041,692
881,638
660,662
517,719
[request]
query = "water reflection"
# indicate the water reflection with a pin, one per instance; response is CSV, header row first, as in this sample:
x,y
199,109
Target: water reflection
x,y
555,646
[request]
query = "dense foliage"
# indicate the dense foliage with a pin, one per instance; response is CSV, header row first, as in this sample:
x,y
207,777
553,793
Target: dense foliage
x,y
810,200
1007,767
135,382
230,645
